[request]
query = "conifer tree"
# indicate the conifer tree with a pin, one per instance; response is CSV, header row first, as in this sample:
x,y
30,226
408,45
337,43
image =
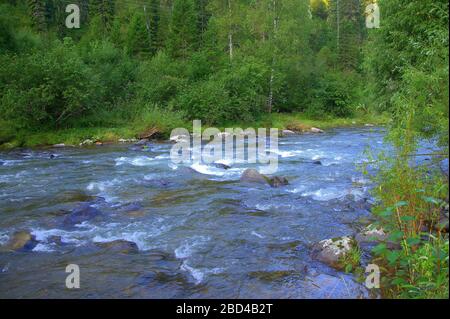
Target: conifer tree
x,y
183,29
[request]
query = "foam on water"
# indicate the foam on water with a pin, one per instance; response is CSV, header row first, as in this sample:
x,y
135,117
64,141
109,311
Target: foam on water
x,y
189,246
207,170
139,161
326,194
257,234
199,274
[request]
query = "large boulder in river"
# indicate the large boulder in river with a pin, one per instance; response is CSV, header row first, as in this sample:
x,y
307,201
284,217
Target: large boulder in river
x,y
253,176
21,241
332,251
81,214
119,246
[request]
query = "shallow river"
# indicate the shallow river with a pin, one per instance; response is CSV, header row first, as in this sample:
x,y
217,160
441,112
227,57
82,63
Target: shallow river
x,y
201,233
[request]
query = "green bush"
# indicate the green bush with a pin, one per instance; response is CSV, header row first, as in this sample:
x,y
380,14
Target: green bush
x,y
56,88
333,95
234,94
160,80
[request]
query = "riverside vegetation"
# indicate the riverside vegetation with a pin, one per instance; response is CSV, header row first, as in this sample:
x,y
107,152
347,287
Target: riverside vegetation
x,y
154,65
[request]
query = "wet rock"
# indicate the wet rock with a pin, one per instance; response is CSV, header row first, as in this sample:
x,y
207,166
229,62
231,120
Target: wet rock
x,y
371,234
253,176
21,241
52,156
316,130
288,133
278,181
73,196
317,163
131,207
81,214
331,251
222,166
119,246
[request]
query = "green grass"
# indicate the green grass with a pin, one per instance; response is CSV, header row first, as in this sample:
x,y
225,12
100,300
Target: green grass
x,y
165,121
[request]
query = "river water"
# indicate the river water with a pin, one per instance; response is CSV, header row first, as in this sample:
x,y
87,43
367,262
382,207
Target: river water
x,y
201,233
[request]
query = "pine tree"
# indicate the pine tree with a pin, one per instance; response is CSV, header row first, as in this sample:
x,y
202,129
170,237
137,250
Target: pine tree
x,y
38,12
346,17
105,9
202,17
183,29
154,26
138,40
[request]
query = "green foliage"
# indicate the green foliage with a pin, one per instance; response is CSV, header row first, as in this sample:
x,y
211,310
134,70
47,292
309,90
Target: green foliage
x,y
57,87
138,38
183,29
7,39
61,86
334,96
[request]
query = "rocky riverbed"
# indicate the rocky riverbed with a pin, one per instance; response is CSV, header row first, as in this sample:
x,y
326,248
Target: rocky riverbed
x,y
140,226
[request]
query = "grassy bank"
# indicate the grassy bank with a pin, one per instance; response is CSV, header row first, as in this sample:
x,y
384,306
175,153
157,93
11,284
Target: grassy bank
x,y
164,123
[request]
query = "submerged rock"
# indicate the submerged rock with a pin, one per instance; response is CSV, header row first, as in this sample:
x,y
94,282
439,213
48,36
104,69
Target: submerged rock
x,y
119,246
331,251
21,241
81,214
222,166
324,286
253,176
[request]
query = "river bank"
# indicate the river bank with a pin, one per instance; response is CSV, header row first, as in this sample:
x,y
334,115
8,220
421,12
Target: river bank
x,y
162,124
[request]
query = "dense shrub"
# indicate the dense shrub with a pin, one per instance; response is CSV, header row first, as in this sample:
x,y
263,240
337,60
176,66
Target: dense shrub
x,y
66,84
56,88
333,96
160,79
